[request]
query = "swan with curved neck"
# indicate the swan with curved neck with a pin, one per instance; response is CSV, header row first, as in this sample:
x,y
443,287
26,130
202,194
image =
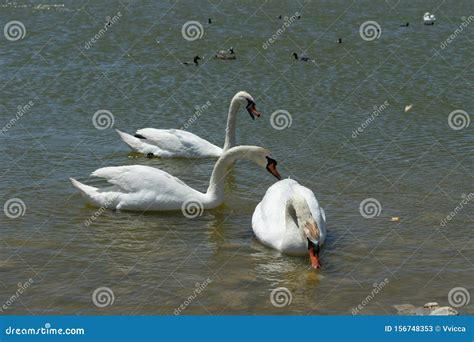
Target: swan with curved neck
x,y
172,143
143,188
289,219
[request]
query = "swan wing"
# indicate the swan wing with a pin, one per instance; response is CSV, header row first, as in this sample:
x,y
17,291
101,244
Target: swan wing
x,y
178,142
268,219
138,187
134,178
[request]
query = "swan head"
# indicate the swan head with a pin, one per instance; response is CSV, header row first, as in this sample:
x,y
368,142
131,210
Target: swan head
x,y
295,55
271,167
298,208
260,156
195,59
247,100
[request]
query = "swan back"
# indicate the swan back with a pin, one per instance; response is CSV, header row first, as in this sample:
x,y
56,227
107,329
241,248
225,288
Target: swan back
x,y
138,187
269,221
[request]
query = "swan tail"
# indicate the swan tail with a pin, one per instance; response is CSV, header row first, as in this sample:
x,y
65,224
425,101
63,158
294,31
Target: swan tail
x,y
133,142
86,190
106,200
137,144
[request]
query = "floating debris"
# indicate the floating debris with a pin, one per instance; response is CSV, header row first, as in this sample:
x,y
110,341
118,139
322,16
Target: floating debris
x,y
394,219
429,309
408,107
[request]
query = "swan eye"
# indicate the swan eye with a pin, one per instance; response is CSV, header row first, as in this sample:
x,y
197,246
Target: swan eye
x,y
250,103
271,161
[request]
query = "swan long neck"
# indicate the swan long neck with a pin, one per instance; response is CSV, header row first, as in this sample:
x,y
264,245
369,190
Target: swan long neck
x,y
215,191
297,213
230,128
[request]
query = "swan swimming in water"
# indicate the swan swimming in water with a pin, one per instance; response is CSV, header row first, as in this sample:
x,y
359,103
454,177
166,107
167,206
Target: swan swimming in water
x,y
290,220
229,54
303,59
173,143
429,18
138,187
195,61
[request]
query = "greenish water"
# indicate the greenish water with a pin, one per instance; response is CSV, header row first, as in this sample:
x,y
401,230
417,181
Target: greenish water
x,y
413,163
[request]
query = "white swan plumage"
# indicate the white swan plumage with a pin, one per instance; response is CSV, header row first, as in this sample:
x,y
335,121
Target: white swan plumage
x,y
142,188
176,143
290,220
429,18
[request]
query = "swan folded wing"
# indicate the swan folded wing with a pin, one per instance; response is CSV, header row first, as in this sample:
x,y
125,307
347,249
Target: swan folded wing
x,y
164,138
136,178
271,210
177,141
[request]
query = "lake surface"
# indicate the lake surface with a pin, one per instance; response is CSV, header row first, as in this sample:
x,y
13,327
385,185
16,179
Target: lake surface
x,y
413,163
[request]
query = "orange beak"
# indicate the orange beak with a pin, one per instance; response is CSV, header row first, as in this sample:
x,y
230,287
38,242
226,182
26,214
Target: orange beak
x,y
271,167
314,255
252,109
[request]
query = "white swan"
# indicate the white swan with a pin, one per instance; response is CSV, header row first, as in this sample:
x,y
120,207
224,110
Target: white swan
x,y
290,220
141,188
172,143
429,18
